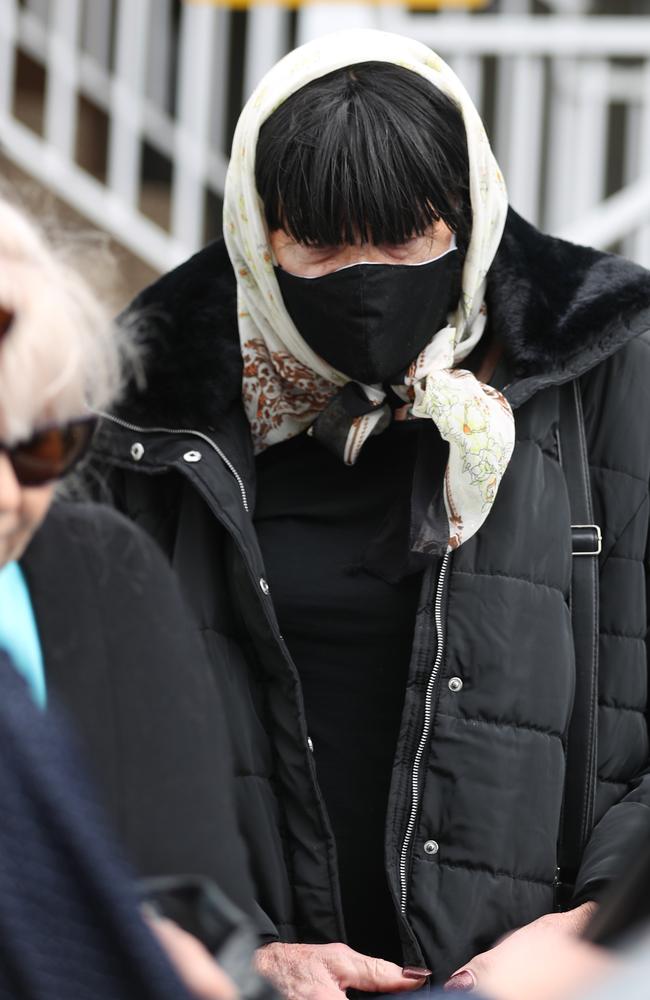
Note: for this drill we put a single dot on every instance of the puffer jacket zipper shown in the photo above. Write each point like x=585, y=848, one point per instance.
x=440, y=636
x=182, y=430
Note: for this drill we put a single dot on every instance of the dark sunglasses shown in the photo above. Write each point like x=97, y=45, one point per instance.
x=51, y=451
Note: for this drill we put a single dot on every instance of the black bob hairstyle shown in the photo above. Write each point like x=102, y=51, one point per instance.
x=372, y=150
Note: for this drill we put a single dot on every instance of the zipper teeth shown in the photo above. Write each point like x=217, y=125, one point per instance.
x=426, y=729
x=182, y=430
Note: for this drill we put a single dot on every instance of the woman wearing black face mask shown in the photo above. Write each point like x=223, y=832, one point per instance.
x=370, y=518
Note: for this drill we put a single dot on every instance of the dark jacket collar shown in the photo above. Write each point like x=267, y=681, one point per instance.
x=557, y=308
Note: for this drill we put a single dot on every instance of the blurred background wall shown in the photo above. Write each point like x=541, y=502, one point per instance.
x=123, y=110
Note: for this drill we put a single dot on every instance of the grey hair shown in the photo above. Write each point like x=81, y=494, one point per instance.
x=62, y=353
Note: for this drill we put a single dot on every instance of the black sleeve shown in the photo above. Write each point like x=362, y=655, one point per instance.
x=158, y=741
x=624, y=830
x=618, y=395
x=69, y=917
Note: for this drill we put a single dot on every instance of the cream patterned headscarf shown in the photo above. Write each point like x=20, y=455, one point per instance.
x=285, y=384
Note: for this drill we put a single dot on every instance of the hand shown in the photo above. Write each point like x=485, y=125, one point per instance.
x=544, y=960
x=193, y=963
x=325, y=971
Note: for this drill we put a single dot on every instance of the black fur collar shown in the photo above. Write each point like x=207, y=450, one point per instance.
x=557, y=308
x=187, y=325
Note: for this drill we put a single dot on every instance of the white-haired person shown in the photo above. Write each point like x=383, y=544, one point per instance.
x=89, y=611
x=384, y=422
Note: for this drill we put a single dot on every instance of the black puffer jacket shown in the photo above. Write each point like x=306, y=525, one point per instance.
x=492, y=776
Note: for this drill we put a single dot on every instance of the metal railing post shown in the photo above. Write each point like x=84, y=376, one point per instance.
x=127, y=88
x=195, y=99
x=8, y=38
x=61, y=91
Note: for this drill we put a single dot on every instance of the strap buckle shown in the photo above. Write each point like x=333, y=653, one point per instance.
x=586, y=540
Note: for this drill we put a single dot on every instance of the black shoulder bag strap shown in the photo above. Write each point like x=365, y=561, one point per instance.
x=581, y=748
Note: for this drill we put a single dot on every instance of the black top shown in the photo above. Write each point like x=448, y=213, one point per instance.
x=350, y=634
x=123, y=658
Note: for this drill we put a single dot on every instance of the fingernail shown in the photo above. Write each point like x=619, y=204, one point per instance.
x=463, y=982
x=415, y=972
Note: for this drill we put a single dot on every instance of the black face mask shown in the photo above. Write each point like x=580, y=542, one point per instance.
x=369, y=321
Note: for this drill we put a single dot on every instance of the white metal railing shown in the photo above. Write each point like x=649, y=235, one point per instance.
x=152, y=60
x=556, y=84
x=551, y=88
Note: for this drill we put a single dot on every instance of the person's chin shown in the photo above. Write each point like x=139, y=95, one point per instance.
x=12, y=547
